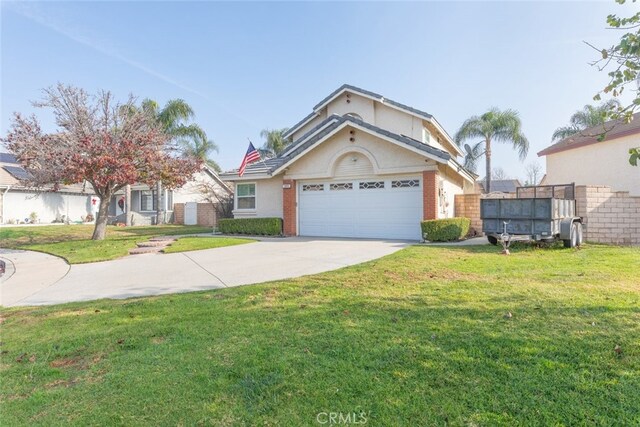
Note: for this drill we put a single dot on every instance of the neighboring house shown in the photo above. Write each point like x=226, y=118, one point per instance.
x=360, y=165
x=144, y=203
x=75, y=202
x=500, y=185
x=19, y=203
x=588, y=159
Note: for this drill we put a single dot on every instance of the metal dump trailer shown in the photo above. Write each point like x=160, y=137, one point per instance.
x=545, y=213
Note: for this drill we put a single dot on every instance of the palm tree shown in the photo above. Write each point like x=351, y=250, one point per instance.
x=173, y=118
x=275, y=143
x=586, y=118
x=493, y=126
x=201, y=148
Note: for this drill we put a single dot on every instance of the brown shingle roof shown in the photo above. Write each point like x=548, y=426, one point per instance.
x=612, y=130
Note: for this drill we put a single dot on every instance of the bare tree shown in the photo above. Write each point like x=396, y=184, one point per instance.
x=498, y=174
x=533, y=171
x=220, y=198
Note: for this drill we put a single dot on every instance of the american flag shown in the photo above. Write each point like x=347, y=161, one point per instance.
x=251, y=156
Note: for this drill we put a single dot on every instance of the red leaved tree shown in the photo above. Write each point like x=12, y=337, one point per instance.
x=98, y=141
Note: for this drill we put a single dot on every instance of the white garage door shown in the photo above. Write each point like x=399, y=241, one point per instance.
x=375, y=208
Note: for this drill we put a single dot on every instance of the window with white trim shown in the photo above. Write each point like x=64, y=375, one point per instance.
x=148, y=200
x=426, y=135
x=246, y=196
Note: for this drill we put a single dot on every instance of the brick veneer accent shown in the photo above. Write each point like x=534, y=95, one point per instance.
x=468, y=206
x=289, y=207
x=609, y=216
x=430, y=194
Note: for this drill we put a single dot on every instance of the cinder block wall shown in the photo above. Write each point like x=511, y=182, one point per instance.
x=609, y=216
x=468, y=206
x=206, y=215
x=178, y=213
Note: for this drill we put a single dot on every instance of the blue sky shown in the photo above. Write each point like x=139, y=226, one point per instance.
x=248, y=66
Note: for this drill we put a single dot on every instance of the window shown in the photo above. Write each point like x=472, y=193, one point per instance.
x=169, y=200
x=313, y=187
x=405, y=183
x=148, y=200
x=371, y=185
x=246, y=196
x=342, y=186
x=426, y=135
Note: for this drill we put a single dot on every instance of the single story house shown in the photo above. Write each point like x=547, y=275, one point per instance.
x=588, y=159
x=360, y=165
x=499, y=185
x=144, y=201
x=19, y=204
x=75, y=202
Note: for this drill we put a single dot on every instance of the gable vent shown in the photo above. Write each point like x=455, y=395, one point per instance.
x=353, y=164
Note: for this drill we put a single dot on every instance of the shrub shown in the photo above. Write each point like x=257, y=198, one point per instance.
x=445, y=230
x=253, y=226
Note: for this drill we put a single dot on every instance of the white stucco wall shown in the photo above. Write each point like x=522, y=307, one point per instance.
x=191, y=191
x=268, y=200
x=452, y=184
x=603, y=163
x=19, y=205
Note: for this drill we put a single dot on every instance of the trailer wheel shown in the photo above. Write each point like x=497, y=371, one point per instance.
x=493, y=240
x=572, y=242
x=578, y=233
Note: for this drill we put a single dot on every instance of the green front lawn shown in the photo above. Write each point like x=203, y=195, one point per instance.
x=185, y=244
x=73, y=242
x=421, y=337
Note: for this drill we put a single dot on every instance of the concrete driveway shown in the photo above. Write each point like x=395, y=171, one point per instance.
x=41, y=279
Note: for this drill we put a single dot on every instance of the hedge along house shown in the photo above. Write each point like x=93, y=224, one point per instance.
x=360, y=165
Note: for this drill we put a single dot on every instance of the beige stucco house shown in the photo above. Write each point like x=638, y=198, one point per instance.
x=588, y=159
x=360, y=165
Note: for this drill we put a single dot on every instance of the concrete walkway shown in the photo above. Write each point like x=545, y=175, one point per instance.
x=155, y=274
x=28, y=273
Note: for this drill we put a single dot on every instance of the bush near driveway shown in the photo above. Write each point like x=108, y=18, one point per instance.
x=445, y=230
x=251, y=226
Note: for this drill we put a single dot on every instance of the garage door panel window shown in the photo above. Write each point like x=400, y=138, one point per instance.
x=371, y=185
x=341, y=186
x=405, y=183
x=246, y=196
x=313, y=187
